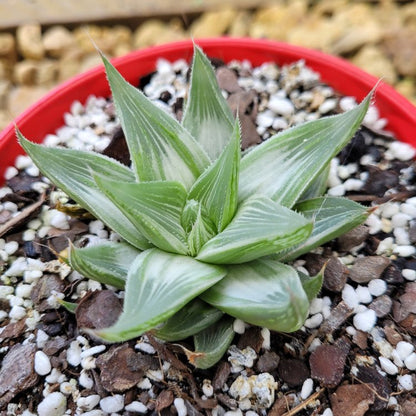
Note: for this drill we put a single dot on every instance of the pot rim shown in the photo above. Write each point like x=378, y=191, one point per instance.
x=46, y=115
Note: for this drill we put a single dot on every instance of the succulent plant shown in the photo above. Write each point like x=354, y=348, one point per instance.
x=205, y=229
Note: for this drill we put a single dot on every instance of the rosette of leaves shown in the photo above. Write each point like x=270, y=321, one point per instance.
x=206, y=229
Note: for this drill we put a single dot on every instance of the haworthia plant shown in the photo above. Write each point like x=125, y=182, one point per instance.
x=206, y=229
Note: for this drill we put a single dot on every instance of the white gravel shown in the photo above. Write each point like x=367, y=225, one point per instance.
x=54, y=404
x=42, y=363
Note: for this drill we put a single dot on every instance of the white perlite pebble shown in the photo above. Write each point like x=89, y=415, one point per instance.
x=374, y=223
x=85, y=380
x=180, y=406
x=88, y=402
x=42, y=363
x=388, y=366
x=405, y=251
x=307, y=388
x=93, y=350
x=406, y=382
x=401, y=151
x=350, y=297
x=54, y=404
x=400, y=220
x=58, y=219
x=409, y=274
x=137, y=407
x=404, y=349
x=314, y=321
x=377, y=287
x=364, y=295
x=365, y=321
x=112, y=404
x=327, y=412
x=282, y=106
x=10, y=173
x=11, y=247
x=239, y=326
x=315, y=306
x=73, y=354
x=17, y=312
x=410, y=362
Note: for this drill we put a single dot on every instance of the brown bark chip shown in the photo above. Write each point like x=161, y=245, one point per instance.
x=251, y=338
x=381, y=305
x=221, y=375
x=327, y=364
x=164, y=400
x=368, y=268
x=121, y=368
x=17, y=372
x=98, y=309
x=267, y=362
x=353, y=238
x=338, y=316
x=293, y=372
x=281, y=406
x=352, y=399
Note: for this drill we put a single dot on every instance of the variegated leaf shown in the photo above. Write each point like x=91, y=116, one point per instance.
x=207, y=115
x=260, y=227
x=211, y=343
x=73, y=170
x=331, y=217
x=158, y=285
x=160, y=148
x=216, y=189
x=154, y=208
x=284, y=166
x=191, y=319
x=106, y=263
x=262, y=292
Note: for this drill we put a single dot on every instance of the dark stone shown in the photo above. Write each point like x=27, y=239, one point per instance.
x=293, y=371
x=267, y=362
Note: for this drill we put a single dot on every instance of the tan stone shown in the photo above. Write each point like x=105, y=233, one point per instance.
x=29, y=41
x=7, y=47
x=25, y=72
x=6, y=69
x=241, y=24
x=5, y=87
x=57, y=40
x=276, y=22
x=357, y=27
x=23, y=96
x=401, y=47
x=407, y=88
x=353, y=38
x=5, y=119
x=373, y=60
x=85, y=37
x=69, y=65
x=155, y=32
x=90, y=61
x=212, y=24
x=47, y=73
x=309, y=34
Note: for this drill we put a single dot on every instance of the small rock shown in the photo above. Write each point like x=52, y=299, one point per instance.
x=17, y=372
x=112, y=404
x=29, y=41
x=381, y=386
x=381, y=305
x=352, y=399
x=121, y=368
x=227, y=79
x=57, y=40
x=99, y=309
x=267, y=362
x=164, y=400
x=54, y=404
x=25, y=72
x=221, y=375
x=293, y=371
x=353, y=238
x=327, y=364
x=212, y=23
x=368, y=268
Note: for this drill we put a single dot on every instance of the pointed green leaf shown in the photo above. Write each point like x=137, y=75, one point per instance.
x=284, y=166
x=262, y=292
x=212, y=343
x=318, y=186
x=202, y=231
x=312, y=285
x=154, y=208
x=191, y=319
x=160, y=148
x=260, y=227
x=207, y=115
x=158, y=285
x=72, y=170
x=69, y=306
x=106, y=263
x=331, y=216
x=217, y=187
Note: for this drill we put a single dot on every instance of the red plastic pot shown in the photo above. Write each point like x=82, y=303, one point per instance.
x=46, y=115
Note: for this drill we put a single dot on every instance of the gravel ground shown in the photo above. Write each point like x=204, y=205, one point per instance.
x=355, y=354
